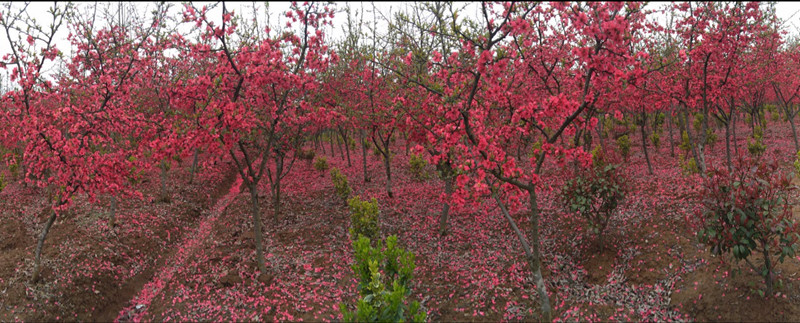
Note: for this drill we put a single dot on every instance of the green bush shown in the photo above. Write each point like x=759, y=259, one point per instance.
x=797, y=164
x=340, y=184
x=624, y=145
x=384, y=276
x=747, y=210
x=595, y=194
x=321, y=163
x=690, y=166
x=756, y=147
x=2, y=182
x=655, y=139
x=363, y=218
x=685, y=145
x=416, y=165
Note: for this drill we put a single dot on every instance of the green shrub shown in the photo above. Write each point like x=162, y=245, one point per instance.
x=797, y=164
x=416, y=165
x=655, y=139
x=321, y=163
x=384, y=276
x=624, y=145
x=685, y=145
x=363, y=218
x=340, y=184
x=690, y=166
x=595, y=194
x=756, y=147
x=2, y=182
x=598, y=156
x=747, y=210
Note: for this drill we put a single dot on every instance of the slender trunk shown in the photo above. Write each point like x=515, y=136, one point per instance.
x=339, y=144
x=388, y=165
x=448, y=190
x=333, y=152
x=364, y=155
x=728, y=144
x=321, y=144
x=644, y=144
x=346, y=148
x=794, y=134
x=692, y=143
x=768, y=267
x=733, y=125
x=262, y=267
x=276, y=186
x=194, y=165
x=112, y=214
x=535, y=261
x=671, y=143
x=37, y=265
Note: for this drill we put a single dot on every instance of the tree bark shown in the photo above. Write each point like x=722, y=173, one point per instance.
x=671, y=143
x=644, y=144
x=535, y=262
x=364, y=155
x=262, y=267
x=794, y=134
x=387, y=164
x=448, y=190
x=194, y=165
x=276, y=186
x=37, y=265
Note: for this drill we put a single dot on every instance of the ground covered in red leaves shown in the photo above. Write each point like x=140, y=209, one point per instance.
x=193, y=258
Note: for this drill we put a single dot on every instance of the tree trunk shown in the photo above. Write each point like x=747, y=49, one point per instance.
x=194, y=165
x=448, y=190
x=644, y=144
x=733, y=125
x=276, y=186
x=364, y=155
x=346, y=147
x=37, y=265
x=671, y=143
x=388, y=165
x=794, y=134
x=333, y=152
x=728, y=144
x=262, y=267
x=535, y=262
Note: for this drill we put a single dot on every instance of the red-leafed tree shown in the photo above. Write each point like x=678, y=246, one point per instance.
x=77, y=128
x=255, y=96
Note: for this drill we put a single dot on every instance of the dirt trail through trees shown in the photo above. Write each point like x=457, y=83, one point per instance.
x=132, y=304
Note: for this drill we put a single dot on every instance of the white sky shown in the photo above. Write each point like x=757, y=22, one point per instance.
x=788, y=11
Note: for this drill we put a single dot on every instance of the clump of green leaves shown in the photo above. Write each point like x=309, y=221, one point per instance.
x=624, y=145
x=797, y=164
x=595, y=194
x=384, y=277
x=746, y=211
x=416, y=164
x=655, y=139
x=756, y=147
x=363, y=218
x=340, y=184
x=321, y=164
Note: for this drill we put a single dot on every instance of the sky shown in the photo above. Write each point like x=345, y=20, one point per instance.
x=787, y=11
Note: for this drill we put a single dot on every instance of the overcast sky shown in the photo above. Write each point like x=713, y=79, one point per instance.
x=787, y=11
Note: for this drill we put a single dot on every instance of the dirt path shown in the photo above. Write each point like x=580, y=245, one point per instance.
x=136, y=295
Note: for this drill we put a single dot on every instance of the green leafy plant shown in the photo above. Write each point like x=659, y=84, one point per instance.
x=384, y=275
x=363, y=218
x=624, y=145
x=595, y=194
x=746, y=211
x=756, y=147
x=321, y=164
x=416, y=165
x=797, y=164
x=340, y=184
x=655, y=139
